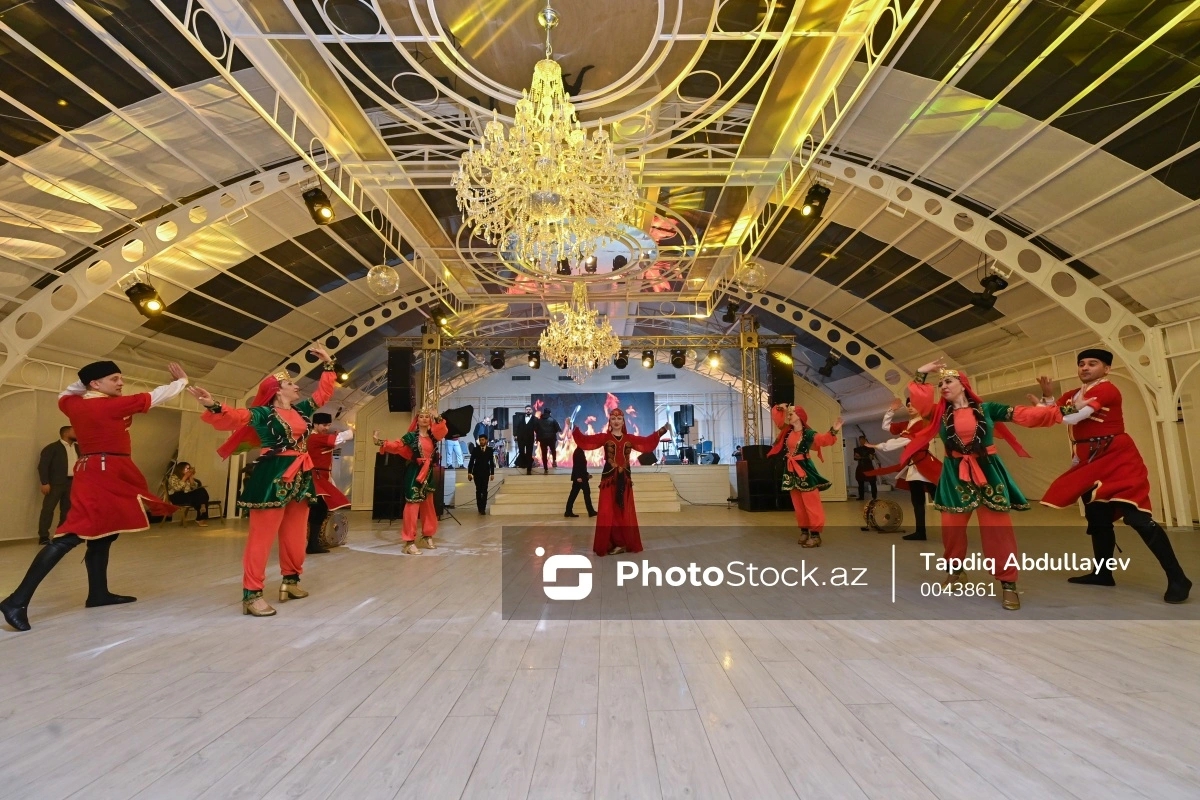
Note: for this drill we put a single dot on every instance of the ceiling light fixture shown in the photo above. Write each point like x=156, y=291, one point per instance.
x=986, y=300
x=814, y=201
x=622, y=359
x=714, y=358
x=535, y=359
x=319, y=207
x=730, y=315
x=831, y=361
x=647, y=358
x=542, y=189
x=678, y=358
x=580, y=339
x=497, y=359
x=461, y=359
x=145, y=299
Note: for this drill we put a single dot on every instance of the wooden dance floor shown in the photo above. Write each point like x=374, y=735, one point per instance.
x=399, y=677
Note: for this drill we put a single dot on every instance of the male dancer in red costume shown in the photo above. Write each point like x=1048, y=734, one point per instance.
x=617, y=525
x=920, y=473
x=109, y=495
x=321, y=444
x=1108, y=474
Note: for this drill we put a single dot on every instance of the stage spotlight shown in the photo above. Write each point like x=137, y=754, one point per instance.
x=678, y=358
x=831, y=361
x=461, y=359
x=986, y=300
x=497, y=361
x=730, y=315
x=319, y=206
x=619, y=262
x=589, y=265
x=647, y=358
x=814, y=201
x=564, y=268
x=714, y=358
x=145, y=299
x=343, y=374
x=622, y=359
x=535, y=359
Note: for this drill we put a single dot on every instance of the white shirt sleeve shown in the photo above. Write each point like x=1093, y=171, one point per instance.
x=1079, y=416
x=75, y=388
x=887, y=420
x=162, y=394
x=342, y=437
x=899, y=443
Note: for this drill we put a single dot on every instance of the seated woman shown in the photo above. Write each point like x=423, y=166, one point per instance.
x=184, y=489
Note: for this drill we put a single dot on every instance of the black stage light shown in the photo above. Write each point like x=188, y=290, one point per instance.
x=622, y=359
x=730, y=315
x=831, y=361
x=145, y=299
x=564, y=268
x=535, y=359
x=461, y=359
x=497, y=359
x=589, y=265
x=814, y=201
x=678, y=358
x=986, y=300
x=619, y=262
x=714, y=358
x=319, y=206
x=647, y=358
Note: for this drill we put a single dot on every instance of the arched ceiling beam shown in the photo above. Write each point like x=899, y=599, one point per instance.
x=45, y=312
x=1121, y=331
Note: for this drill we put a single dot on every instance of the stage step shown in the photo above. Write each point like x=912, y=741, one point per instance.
x=547, y=494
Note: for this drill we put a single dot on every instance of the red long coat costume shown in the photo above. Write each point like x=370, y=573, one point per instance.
x=109, y=494
x=320, y=450
x=925, y=462
x=616, y=520
x=1109, y=464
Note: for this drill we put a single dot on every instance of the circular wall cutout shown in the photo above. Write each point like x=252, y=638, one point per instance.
x=293, y=368
x=780, y=308
x=166, y=231
x=1098, y=310
x=892, y=377
x=872, y=361
x=28, y=325
x=256, y=187
x=1131, y=338
x=310, y=358
x=283, y=177
x=797, y=315
x=99, y=272
x=332, y=341
x=814, y=324
x=1029, y=260
x=876, y=182
x=933, y=207
x=368, y=321
x=995, y=239
x=849, y=172
x=227, y=200
x=1144, y=360
x=63, y=297
x=351, y=330
x=36, y=374
x=1063, y=283
x=764, y=301
x=387, y=312
x=963, y=221
x=904, y=193
x=853, y=348
x=133, y=250
x=833, y=335
x=197, y=214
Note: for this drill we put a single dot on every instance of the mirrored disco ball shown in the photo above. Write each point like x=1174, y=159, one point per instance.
x=383, y=280
x=751, y=277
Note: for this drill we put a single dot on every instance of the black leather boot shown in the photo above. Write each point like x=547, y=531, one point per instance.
x=96, y=561
x=1178, y=585
x=15, y=607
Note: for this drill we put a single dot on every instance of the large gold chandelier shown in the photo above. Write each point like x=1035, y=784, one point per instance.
x=545, y=192
x=581, y=340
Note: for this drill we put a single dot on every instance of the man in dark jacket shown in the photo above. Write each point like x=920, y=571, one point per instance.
x=524, y=428
x=481, y=469
x=56, y=468
x=580, y=480
x=548, y=430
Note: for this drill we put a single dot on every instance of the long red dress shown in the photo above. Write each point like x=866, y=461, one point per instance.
x=616, y=520
x=320, y=450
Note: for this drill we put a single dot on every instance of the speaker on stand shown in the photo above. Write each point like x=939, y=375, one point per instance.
x=783, y=379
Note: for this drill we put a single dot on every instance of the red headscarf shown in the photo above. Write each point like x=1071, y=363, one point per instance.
x=779, y=416
x=923, y=437
x=245, y=437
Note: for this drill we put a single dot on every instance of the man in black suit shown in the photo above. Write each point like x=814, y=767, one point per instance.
x=481, y=469
x=56, y=467
x=580, y=482
x=548, y=430
x=524, y=430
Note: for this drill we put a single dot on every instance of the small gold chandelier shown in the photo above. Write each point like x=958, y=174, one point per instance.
x=581, y=340
x=545, y=192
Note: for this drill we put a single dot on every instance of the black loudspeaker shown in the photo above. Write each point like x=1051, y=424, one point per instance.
x=388, y=502
x=458, y=421
x=500, y=415
x=783, y=380
x=758, y=482
x=687, y=415
x=689, y=453
x=677, y=421
x=401, y=391
x=716, y=458
x=646, y=459
x=439, y=491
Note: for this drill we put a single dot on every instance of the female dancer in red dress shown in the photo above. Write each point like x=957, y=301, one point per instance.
x=617, y=525
x=418, y=446
x=800, y=478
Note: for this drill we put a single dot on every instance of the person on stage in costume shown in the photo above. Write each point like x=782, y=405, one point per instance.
x=974, y=479
x=920, y=474
x=280, y=489
x=801, y=478
x=321, y=444
x=109, y=495
x=481, y=470
x=418, y=446
x=1108, y=474
x=616, y=525
x=580, y=482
